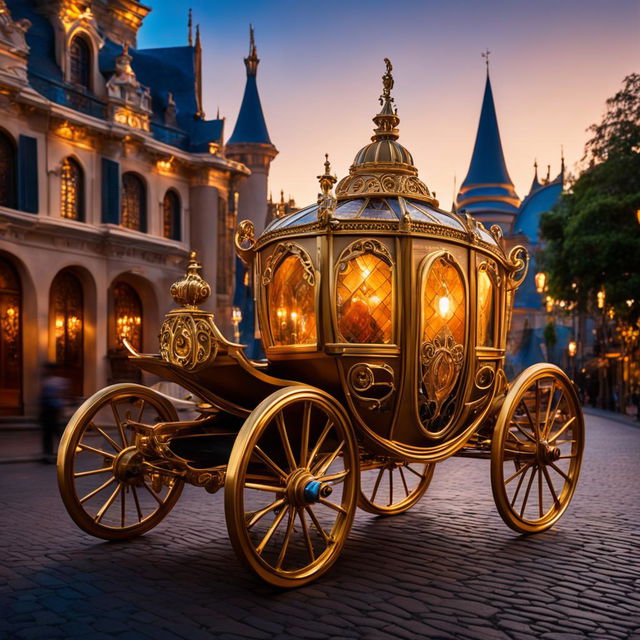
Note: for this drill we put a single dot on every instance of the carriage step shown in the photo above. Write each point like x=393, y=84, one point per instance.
x=203, y=451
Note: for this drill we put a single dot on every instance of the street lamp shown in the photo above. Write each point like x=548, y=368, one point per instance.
x=236, y=319
x=541, y=281
x=572, y=348
x=601, y=298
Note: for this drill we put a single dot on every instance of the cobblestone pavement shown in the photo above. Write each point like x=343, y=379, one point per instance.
x=447, y=569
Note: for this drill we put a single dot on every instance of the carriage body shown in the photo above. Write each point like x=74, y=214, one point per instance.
x=384, y=321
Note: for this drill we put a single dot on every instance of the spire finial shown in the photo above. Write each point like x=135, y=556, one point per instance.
x=387, y=83
x=326, y=200
x=197, y=36
x=562, y=160
x=535, y=167
x=190, y=26
x=387, y=120
x=251, y=62
x=218, y=113
x=485, y=54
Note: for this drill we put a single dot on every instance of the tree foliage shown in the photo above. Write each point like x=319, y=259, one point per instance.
x=592, y=237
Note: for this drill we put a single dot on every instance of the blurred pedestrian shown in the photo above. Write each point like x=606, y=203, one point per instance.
x=53, y=399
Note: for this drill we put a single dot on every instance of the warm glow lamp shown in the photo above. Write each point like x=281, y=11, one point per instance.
x=572, y=348
x=541, y=281
x=601, y=298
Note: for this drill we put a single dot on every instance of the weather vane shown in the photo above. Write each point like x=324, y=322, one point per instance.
x=485, y=54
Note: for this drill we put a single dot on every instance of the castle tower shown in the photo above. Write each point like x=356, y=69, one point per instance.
x=250, y=144
x=487, y=192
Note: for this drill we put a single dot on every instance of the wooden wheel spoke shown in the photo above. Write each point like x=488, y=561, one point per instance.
x=546, y=417
x=417, y=473
x=317, y=525
x=538, y=408
x=533, y=426
x=284, y=437
x=561, y=472
x=390, y=487
x=97, y=490
x=518, y=486
x=306, y=426
x=526, y=494
x=334, y=477
x=377, y=484
x=307, y=537
x=142, y=405
x=540, y=505
x=105, y=507
x=106, y=436
x=324, y=465
x=564, y=427
x=524, y=467
x=522, y=431
x=320, y=441
x=551, y=487
x=404, y=481
x=123, y=507
x=263, y=487
x=332, y=505
x=274, y=525
x=269, y=462
x=92, y=472
x=137, y=503
x=554, y=414
x=287, y=538
x=157, y=498
x=256, y=516
x=119, y=424
x=100, y=452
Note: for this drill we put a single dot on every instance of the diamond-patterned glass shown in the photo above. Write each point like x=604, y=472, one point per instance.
x=486, y=313
x=365, y=300
x=443, y=302
x=292, y=313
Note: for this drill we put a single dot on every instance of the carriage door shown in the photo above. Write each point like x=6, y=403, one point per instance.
x=66, y=310
x=442, y=344
x=10, y=340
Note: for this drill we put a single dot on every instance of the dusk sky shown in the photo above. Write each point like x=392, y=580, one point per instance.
x=553, y=65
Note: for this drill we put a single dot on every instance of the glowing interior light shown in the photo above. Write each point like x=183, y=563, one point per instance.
x=444, y=304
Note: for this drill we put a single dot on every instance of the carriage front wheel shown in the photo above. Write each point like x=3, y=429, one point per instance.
x=108, y=489
x=537, y=448
x=291, y=486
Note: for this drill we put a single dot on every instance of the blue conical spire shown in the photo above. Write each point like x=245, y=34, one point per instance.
x=250, y=125
x=487, y=192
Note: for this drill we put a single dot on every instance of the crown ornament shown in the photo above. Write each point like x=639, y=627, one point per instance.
x=191, y=290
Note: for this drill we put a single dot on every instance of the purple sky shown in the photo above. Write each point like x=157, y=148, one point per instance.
x=553, y=65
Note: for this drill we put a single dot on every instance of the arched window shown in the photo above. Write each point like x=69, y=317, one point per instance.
x=127, y=310
x=10, y=340
x=365, y=294
x=80, y=62
x=7, y=171
x=290, y=280
x=71, y=190
x=486, y=307
x=171, y=215
x=66, y=308
x=133, y=205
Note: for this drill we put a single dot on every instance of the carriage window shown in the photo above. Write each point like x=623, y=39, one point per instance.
x=292, y=315
x=365, y=300
x=443, y=302
x=486, y=313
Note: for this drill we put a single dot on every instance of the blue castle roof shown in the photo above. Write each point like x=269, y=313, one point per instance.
x=487, y=187
x=250, y=125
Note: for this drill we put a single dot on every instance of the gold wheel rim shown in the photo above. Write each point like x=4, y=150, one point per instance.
x=294, y=437
x=537, y=449
x=118, y=496
x=394, y=487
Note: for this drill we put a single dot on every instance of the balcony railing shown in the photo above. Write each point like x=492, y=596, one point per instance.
x=78, y=99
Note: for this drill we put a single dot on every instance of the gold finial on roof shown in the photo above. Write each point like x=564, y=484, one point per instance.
x=326, y=200
x=485, y=54
x=192, y=290
x=327, y=180
x=387, y=83
x=252, y=60
x=387, y=120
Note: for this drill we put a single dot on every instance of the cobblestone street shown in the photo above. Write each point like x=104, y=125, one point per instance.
x=449, y=568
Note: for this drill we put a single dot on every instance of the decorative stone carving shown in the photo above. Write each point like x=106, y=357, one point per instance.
x=13, y=46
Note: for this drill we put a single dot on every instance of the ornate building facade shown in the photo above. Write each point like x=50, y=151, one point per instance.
x=110, y=173
x=488, y=194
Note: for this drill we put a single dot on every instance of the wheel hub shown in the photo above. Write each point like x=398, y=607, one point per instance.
x=128, y=467
x=303, y=488
x=548, y=453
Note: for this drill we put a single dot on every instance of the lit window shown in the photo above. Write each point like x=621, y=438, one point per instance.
x=71, y=190
x=365, y=300
x=127, y=310
x=80, y=62
x=292, y=315
x=66, y=307
x=133, y=205
x=171, y=216
x=443, y=304
x=7, y=171
x=486, y=314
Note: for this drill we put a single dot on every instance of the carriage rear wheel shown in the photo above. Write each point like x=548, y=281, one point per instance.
x=292, y=486
x=389, y=487
x=537, y=449
x=106, y=486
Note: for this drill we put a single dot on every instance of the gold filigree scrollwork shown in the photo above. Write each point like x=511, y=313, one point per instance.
x=441, y=361
x=188, y=340
x=360, y=247
x=384, y=184
x=485, y=377
x=280, y=252
x=376, y=381
x=244, y=241
x=517, y=267
x=192, y=290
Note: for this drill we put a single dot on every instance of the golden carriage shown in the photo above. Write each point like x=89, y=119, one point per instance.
x=384, y=321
